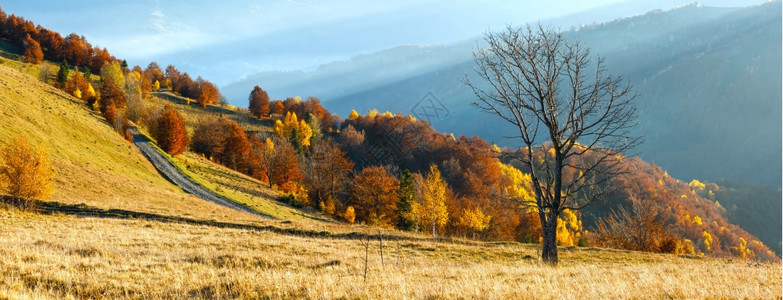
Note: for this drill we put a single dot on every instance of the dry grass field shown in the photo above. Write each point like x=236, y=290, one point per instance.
x=61, y=256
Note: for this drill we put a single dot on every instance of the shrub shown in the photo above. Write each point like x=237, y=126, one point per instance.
x=25, y=172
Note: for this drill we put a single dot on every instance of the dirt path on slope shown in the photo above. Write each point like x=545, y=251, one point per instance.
x=174, y=175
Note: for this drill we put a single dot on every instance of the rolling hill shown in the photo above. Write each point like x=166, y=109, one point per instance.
x=94, y=166
x=708, y=79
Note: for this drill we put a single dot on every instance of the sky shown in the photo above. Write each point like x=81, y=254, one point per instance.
x=227, y=40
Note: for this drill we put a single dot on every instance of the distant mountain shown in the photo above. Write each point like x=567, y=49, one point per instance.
x=708, y=79
x=359, y=74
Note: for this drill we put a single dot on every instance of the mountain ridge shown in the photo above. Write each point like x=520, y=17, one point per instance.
x=718, y=89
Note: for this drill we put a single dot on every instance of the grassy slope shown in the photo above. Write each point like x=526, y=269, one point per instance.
x=93, y=164
x=224, y=181
x=52, y=257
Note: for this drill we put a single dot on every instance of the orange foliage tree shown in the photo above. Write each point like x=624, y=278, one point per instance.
x=374, y=195
x=208, y=94
x=78, y=86
x=172, y=135
x=326, y=174
x=277, y=107
x=236, y=148
x=279, y=164
x=259, y=102
x=32, y=53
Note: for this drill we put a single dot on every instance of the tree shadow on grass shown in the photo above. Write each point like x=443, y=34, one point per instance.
x=85, y=211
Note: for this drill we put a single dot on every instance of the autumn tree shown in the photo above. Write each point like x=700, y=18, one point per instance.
x=297, y=131
x=208, y=92
x=78, y=86
x=259, y=102
x=280, y=164
x=172, y=135
x=75, y=49
x=551, y=91
x=154, y=74
x=374, y=195
x=326, y=174
x=25, y=171
x=32, y=54
x=431, y=193
x=209, y=135
x=113, y=72
x=406, y=198
x=277, y=107
x=474, y=220
x=236, y=148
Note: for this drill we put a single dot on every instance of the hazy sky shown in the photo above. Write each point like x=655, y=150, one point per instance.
x=225, y=41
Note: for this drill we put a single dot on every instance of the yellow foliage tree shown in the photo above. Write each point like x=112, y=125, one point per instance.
x=431, y=207
x=697, y=221
x=304, y=133
x=156, y=86
x=474, y=219
x=696, y=185
x=25, y=171
x=707, y=240
x=285, y=128
x=372, y=113
x=90, y=90
x=569, y=229
x=353, y=115
x=279, y=128
x=113, y=70
x=77, y=93
x=517, y=185
x=350, y=215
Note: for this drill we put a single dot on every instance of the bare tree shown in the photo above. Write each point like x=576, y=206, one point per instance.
x=573, y=117
x=640, y=229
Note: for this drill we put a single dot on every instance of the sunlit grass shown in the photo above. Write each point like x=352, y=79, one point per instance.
x=61, y=256
x=93, y=164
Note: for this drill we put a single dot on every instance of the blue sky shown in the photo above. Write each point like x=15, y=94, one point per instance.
x=226, y=41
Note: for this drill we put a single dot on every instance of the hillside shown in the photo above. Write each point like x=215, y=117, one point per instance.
x=94, y=166
x=709, y=88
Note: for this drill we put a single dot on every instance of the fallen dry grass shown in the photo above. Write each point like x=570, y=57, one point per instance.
x=68, y=257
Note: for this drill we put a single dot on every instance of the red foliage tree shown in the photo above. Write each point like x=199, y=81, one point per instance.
x=279, y=163
x=236, y=148
x=278, y=107
x=208, y=92
x=33, y=53
x=326, y=174
x=374, y=196
x=258, y=102
x=110, y=92
x=172, y=135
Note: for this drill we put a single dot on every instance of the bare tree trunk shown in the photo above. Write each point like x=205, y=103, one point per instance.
x=549, y=243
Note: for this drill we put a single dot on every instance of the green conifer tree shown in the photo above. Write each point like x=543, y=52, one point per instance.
x=406, y=220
